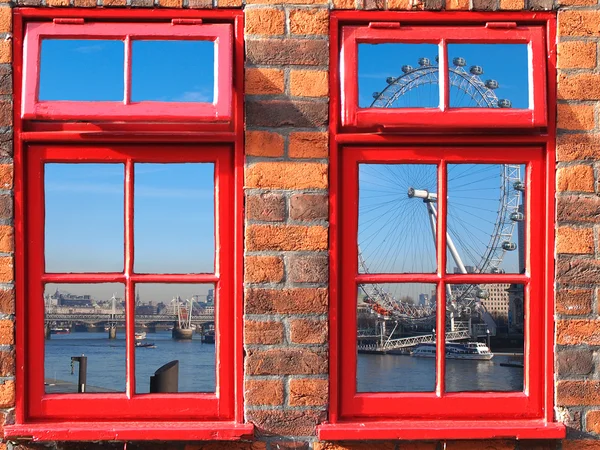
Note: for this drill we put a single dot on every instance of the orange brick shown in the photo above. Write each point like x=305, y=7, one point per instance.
x=344, y=4
x=229, y=3
x=578, y=178
x=308, y=392
x=6, y=176
x=287, y=2
x=576, y=117
x=573, y=393
x=5, y=19
x=580, y=445
x=263, y=269
x=85, y=3
x=287, y=175
x=309, y=83
x=59, y=3
x=592, y=421
x=286, y=238
x=6, y=269
x=5, y=52
x=265, y=21
x=259, y=332
x=112, y=2
x=578, y=23
x=381, y=445
x=399, y=4
x=263, y=143
x=263, y=392
x=572, y=147
x=6, y=239
x=574, y=301
x=480, y=445
x=7, y=394
x=512, y=4
x=576, y=55
x=224, y=445
x=309, y=21
x=309, y=145
x=574, y=240
x=584, y=86
x=170, y=3
x=576, y=2
x=304, y=331
x=264, y=81
x=7, y=332
x=578, y=331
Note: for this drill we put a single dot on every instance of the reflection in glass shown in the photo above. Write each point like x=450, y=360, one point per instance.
x=84, y=217
x=190, y=63
x=175, y=322
x=488, y=75
x=81, y=70
x=398, y=76
x=397, y=207
x=486, y=218
x=174, y=218
x=491, y=357
x=73, y=339
x=387, y=339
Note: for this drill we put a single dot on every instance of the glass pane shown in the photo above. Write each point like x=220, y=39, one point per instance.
x=175, y=322
x=85, y=331
x=486, y=218
x=84, y=217
x=387, y=341
x=398, y=76
x=488, y=75
x=174, y=218
x=397, y=207
x=484, y=340
x=173, y=71
x=81, y=70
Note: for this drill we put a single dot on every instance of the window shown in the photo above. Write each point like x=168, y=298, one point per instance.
x=440, y=284
x=129, y=241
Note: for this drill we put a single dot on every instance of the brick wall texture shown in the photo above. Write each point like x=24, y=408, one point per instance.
x=286, y=219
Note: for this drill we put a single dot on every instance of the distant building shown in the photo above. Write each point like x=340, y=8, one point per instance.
x=66, y=299
x=423, y=300
x=497, y=303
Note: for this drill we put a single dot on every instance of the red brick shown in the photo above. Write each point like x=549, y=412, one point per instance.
x=221, y=445
x=5, y=106
x=577, y=271
x=265, y=207
x=265, y=21
x=572, y=208
x=170, y=3
x=5, y=80
x=526, y=444
x=592, y=421
x=401, y=4
x=582, y=86
x=7, y=332
x=576, y=55
x=7, y=363
x=308, y=268
x=290, y=445
x=570, y=361
x=573, y=332
x=578, y=23
x=259, y=332
x=571, y=147
x=574, y=240
x=290, y=361
x=85, y=3
x=304, y=331
x=480, y=445
x=263, y=269
x=574, y=301
x=199, y=4
x=581, y=445
x=7, y=301
x=275, y=52
x=287, y=113
x=579, y=178
x=286, y=301
x=286, y=423
x=114, y=2
x=264, y=82
x=285, y=238
x=378, y=445
x=484, y=5
x=308, y=392
x=308, y=145
x=309, y=21
x=573, y=393
x=309, y=83
x=309, y=207
x=263, y=392
x=576, y=117
x=6, y=239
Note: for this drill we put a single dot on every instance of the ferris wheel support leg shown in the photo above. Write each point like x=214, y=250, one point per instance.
x=449, y=242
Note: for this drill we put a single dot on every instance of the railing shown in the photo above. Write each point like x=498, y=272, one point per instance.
x=147, y=318
x=393, y=344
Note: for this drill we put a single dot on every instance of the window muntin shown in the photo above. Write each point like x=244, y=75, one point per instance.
x=525, y=402
x=442, y=110
x=194, y=98
x=129, y=405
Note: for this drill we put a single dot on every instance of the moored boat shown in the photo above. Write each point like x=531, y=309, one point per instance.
x=140, y=336
x=468, y=350
x=60, y=330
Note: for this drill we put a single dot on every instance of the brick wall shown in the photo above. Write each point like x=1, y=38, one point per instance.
x=286, y=227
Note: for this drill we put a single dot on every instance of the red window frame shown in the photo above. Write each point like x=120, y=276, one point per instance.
x=444, y=116
x=438, y=415
x=127, y=416
x=219, y=110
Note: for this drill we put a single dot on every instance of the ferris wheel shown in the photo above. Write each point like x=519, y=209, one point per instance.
x=398, y=203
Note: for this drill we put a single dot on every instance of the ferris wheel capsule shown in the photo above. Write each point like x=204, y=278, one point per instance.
x=476, y=70
x=496, y=270
x=459, y=62
x=491, y=84
x=390, y=80
x=519, y=186
x=375, y=94
x=406, y=68
x=504, y=103
x=517, y=216
x=509, y=246
x=424, y=62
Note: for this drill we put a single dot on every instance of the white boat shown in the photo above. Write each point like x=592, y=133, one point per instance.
x=468, y=350
x=140, y=336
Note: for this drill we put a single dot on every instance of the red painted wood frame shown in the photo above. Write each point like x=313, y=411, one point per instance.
x=444, y=116
x=131, y=134
x=219, y=110
x=355, y=416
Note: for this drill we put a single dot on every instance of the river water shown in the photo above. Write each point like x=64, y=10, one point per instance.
x=376, y=373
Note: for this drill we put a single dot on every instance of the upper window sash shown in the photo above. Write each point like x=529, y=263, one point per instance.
x=220, y=110
x=444, y=116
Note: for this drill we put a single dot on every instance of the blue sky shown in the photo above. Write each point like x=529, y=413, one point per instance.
x=505, y=63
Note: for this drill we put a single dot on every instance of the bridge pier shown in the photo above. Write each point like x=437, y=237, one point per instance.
x=151, y=328
x=112, y=332
x=47, y=332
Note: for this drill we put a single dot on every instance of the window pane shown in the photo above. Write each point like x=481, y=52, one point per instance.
x=486, y=218
x=491, y=358
x=173, y=71
x=84, y=321
x=81, y=70
x=174, y=218
x=397, y=207
x=175, y=322
x=84, y=217
x=488, y=75
x=398, y=76
x=386, y=338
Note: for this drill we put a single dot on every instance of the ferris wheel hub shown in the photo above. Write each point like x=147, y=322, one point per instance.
x=421, y=193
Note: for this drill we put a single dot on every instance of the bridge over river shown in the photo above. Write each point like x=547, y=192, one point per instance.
x=119, y=318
